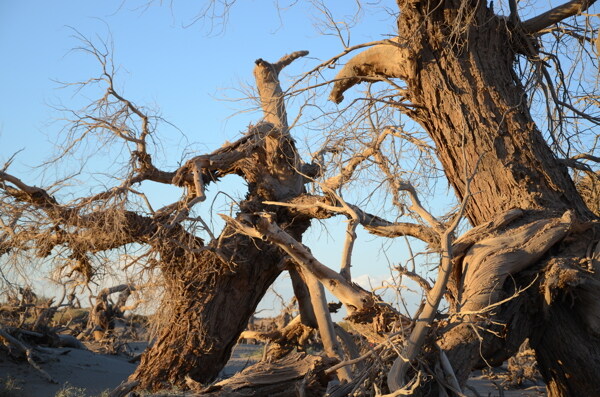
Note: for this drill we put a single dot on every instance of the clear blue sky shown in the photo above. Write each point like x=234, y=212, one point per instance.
x=182, y=71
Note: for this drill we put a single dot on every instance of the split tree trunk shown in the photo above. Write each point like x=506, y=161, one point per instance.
x=208, y=303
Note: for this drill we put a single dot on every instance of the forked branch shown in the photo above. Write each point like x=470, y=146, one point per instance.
x=352, y=296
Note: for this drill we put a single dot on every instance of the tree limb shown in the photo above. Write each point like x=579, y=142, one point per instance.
x=434, y=296
x=389, y=60
x=354, y=297
x=555, y=15
x=319, y=207
x=326, y=329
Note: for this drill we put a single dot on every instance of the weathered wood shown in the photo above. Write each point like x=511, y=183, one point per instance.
x=390, y=60
x=123, y=389
x=285, y=377
x=215, y=290
x=414, y=343
x=326, y=328
x=490, y=261
x=27, y=352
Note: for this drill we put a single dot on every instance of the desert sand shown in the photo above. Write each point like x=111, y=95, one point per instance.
x=90, y=374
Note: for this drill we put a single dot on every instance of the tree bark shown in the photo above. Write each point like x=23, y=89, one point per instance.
x=462, y=89
x=209, y=303
x=472, y=105
x=213, y=291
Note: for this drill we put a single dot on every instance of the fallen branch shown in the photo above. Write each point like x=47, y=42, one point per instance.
x=285, y=375
x=28, y=354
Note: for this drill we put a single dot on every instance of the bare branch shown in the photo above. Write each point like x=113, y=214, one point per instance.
x=326, y=329
x=556, y=15
x=269, y=89
x=354, y=297
x=288, y=59
x=319, y=208
x=347, y=250
x=418, y=208
x=513, y=16
x=413, y=345
x=335, y=182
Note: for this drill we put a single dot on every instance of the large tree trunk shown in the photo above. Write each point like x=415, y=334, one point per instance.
x=207, y=306
x=456, y=58
x=474, y=108
x=472, y=105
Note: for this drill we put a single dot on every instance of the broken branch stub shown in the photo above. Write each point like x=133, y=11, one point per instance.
x=390, y=60
x=271, y=95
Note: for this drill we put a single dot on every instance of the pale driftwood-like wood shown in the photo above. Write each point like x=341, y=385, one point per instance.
x=266, y=76
x=390, y=60
x=198, y=182
x=283, y=341
x=489, y=262
x=370, y=317
x=326, y=328
x=321, y=207
x=305, y=309
x=414, y=343
x=354, y=297
x=123, y=389
x=347, y=250
x=279, y=378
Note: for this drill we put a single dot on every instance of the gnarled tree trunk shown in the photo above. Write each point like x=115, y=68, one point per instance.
x=457, y=62
x=212, y=294
x=208, y=304
x=474, y=108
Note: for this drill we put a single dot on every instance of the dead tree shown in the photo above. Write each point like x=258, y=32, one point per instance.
x=103, y=314
x=456, y=59
x=527, y=269
x=212, y=288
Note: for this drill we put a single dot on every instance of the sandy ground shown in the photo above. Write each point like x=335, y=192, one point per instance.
x=78, y=368
x=97, y=373
x=493, y=388
x=93, y=372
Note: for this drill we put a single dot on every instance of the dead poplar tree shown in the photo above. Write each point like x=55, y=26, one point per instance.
x=527, y=268
x=456, y=61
